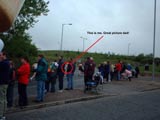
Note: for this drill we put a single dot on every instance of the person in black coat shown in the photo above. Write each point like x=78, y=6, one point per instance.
x=137, y=71
x=60, y=73
x=10, y=89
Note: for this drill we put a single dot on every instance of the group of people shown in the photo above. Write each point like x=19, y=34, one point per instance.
x=7, y=79
x=120, y=70
x=47, y=74
x=108, y=71
x=58, y=69
x=43, y=73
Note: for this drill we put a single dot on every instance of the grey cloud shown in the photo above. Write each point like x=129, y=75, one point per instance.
x=135, y=16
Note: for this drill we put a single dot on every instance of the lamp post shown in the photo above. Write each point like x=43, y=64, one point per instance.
x=62, y=35
x=83, y=42
x=154, y=40
x=128, y=47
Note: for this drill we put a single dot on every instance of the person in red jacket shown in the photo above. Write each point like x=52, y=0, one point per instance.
x=23, y=80
x=118, y=70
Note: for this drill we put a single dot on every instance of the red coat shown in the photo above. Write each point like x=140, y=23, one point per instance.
x=24, y=73
x=118, y=67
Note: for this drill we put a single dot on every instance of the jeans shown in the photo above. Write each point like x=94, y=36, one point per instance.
x=22, y=90
x=40, y=90
x=3, y=90
x=10, y=94
x=70, y=81
x=60, y=78
x=118, y=75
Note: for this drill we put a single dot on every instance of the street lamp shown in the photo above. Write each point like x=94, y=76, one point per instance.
x=128, y=47
x=154, y=40
x=83, y=41
x=62, y=35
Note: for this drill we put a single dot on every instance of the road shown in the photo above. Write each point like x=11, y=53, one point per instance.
x=140, y=106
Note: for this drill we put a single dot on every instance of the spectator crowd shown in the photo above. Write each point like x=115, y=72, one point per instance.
x=48, y=73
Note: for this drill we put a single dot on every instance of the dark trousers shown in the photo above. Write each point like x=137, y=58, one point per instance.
x=47, y=85
x=87, y=78
x=60, y=78
x=10, y=94
x=107, y=76
x=136, y=75
x=22, y=90
x=112, y=75
x=52, y=83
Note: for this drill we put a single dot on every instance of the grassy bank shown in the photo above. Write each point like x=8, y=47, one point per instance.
x=52, y=55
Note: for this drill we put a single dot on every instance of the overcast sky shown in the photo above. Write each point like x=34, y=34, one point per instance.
x=133, y=16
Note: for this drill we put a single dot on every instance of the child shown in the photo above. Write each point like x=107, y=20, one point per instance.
x=127, y=74
x=34, y=67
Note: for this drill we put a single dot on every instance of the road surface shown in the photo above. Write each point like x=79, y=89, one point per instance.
x=139, y=106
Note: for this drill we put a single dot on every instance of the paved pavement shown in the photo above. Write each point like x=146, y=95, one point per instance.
x=78, y=83
x=137, y=106
x=113, y=88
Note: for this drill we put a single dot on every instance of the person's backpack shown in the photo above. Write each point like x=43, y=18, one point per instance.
x=53, y=70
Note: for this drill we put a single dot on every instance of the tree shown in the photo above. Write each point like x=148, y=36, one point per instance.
x=17, y=41
x=28, y=14
x=140, y=58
